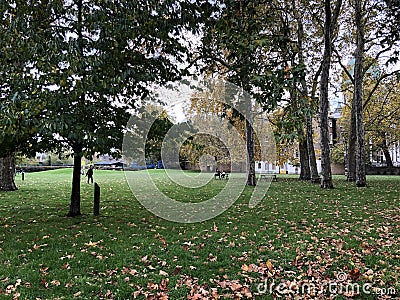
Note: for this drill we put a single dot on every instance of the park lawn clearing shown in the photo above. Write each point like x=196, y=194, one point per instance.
x=300, y=242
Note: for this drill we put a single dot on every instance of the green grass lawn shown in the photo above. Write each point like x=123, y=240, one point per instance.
x=298, y=242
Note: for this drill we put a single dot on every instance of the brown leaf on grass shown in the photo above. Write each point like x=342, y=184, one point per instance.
x=44, y=283
x=69, y=284
x=37, y=247
x=177, y=270
x=195, y=297
x=152, y=286
x=355, y=274
x=214, y=293
x=211, y=257
x=246, y=292
x=109, y=295
x=224, y=284
x=235, y=286
x=77, y=294
x=136, y=294
x=215, y=227
x=55, y=282
x=93, y=244
x=43, y=270
x=163, y=284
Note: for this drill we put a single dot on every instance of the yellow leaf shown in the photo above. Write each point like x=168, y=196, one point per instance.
x=245, y=268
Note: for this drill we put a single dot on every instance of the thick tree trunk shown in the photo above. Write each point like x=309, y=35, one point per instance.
x=326, y=180
x=304, y=160
x=351, y=154
x=75, y=206
x=311, y=152
x=361, y=179
x=7, y=173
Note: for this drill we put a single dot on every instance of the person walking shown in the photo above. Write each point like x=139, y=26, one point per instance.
x=89, y=174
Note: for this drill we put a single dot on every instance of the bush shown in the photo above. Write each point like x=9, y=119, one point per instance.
x=337, y=153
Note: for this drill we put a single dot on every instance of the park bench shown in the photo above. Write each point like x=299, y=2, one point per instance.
x=268, y=174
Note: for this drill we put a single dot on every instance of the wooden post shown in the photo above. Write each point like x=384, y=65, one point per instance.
x=96, y=204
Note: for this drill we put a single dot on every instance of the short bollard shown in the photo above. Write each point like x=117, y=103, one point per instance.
x=23, y=175
x=96, y=204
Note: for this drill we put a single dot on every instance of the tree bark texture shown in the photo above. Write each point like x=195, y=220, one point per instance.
x=311, y=151
x=326, y=180
x=304, y=92
x=75, y=205
x=7, y=173
x=251, y=171
x=304, y=159
x=361, y=179
x=385, y=150
x=351, y=154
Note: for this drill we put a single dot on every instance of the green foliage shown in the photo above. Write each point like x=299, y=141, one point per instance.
x=337, y=153
x=21, y=107
x=242, y=43
x=156, y=135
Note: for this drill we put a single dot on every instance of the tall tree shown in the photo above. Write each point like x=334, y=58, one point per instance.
x=22, y=109
x=361, y=179
x=377, y=22
x=380, y=108
x=99, y=60
x=309, y=99
x=329, y=27
x=240, y=43
x=300, y=29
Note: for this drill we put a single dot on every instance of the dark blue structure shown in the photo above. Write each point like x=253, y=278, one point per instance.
x=160, y=164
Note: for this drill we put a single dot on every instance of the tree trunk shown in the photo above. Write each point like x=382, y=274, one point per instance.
x=311, y=152
x=326, y=181
x=304, y=92
x=388, y=158
x=304, y=160
x=75, y=206
x=7, y=173
x=251, y=171
x=351, y=154
x=361, y=179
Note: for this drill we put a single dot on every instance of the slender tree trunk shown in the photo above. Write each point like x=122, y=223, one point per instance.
x=7, y=173
x=251, y=171
x=311, y=152
x=326, y=181
x=388, y=158
x=351, y=154
x=75, y=206
x=361, y=179
x=304, y=160
x=304, y=92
